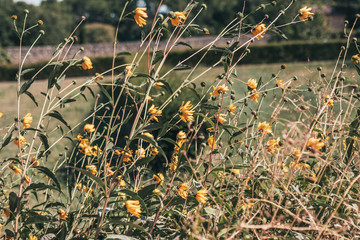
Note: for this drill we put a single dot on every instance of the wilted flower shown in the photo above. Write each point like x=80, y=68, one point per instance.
x=20, y=141
x=219, y=90
x=127, y=155
x=27, y=180
x=27, y=120
x=174, y=163
x=133, y=207
x=89, y=128
x=154, y=112
x=232, y=108
x=92, y=169
x=252, y=83
x=305, y=13
x=7, y=212
x=247, y=203
x=177, y=18
x=312, y=177
x=159, y=178
x=121, y=182
x=254, y=95
x=183, y=190
x=211, y=142
x=186, y=114
x=259, y=31
x=62, y=214
x=314, y=145
x=201, y=195
x=329, y=101
x=264, y=127
x=139, y=16
x=86, y=63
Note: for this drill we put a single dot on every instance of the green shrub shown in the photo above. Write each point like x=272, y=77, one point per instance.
x=97, y=33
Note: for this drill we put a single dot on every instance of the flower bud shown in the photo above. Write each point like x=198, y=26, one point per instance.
x=319, y=68
x=283, y=66
x=203, y=6
x=26, y=11
x=273, y=3
x=42, y=32
x=14, y=17
x=40, y=22
x=239, y=15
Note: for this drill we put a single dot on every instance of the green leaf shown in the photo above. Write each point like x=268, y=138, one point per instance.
x=104, y=91
x=52, y=77
x=44, y=140
x=117, y=221
x=206, y=118
x=39, y=219
x=26, y=85
x=158, y=56
x=29, y=94
x=122, y=53
x=163, y=130
x=184, y=44
x=50, y=174
x=58, y=116
x=357, y=69
x=90, y=175
x=13, y=201
x=40, y=187
x=182, y=67
x=7, y=141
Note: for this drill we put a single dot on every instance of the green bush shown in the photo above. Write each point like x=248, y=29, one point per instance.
x=97, y=33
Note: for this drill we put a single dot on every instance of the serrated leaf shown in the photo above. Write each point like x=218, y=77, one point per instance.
x=50, y=174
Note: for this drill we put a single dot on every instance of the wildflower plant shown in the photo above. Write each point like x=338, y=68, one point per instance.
x=231, y=161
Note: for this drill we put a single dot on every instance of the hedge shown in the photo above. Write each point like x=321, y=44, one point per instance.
x=283, y=52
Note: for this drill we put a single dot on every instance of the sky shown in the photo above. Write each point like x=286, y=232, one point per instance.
x=35, y=2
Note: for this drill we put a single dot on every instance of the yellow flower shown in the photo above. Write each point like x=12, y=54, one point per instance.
x=89, y=128
x=139, y=16
x=181, y=135
x=305, y=13
x=15, y=169
x=247, y=203
x=92, y=169
x=272, y=145
x=159, y=85
x=149, y=135
x=127, y=155
x=129, y=73
x=355, y=58
x=33, y=238
x=232, y=108
x=219, y=90
x=133, y=207
x=140, y=153
x=34, y=163
x=121, y=182
x=149, y=98
x=98, y=77
x=182, y=191
x=211, y=142
x=201, y=196
x=62, y=214
x=314, y=145
x=86, y=63
x=259, y=31
x=27, y=120
x=154, y=112
x=329, y=101
x=154, y=151
x=186, y=114
x=159, y=178
x=264, y=127
x=280, y=84
x=1, y=115
x=157, y=191
x=7, y=212
x=220, y=118
x=177, y=18
x=297, y=153
x=235, y=171
x=312, y=177
x=254, y=95
x=92, y=150
x=79, y=186
x=174, y=163
x=251, y=83
x=284, y=168
x=27, y=180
